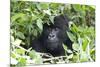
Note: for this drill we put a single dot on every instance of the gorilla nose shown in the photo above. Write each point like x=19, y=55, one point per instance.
x=51, y=36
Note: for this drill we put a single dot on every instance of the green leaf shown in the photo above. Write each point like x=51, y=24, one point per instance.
x=84, y=57
x=52, y=19
x=20, y=35
x=41, y=6
x=71, y=36
x=13, y=55
x=32, y=54
x=22, y=61
x=69, y=51
x=76, y=46
x=39, y=24
x=17, y=42
x=80, y=41
x=47, y=12
x=92, y=51
x=54, y=6
x=65, y=47
x=44, y=5
x=76, y=58
x=74, y=28
x=12, y=38
x=20, y=51
x=77, y=7
x=16, y=16
x=85, y=43
x=35, y=32
x=36, y=57
x=34, y=17
x=93, y=6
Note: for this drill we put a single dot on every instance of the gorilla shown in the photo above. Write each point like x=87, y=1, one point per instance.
x=53, y=37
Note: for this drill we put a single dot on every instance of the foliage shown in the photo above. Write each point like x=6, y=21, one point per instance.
x=27, y=19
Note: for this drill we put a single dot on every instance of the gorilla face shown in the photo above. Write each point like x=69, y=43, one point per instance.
x=52, y=37
x=52, y=34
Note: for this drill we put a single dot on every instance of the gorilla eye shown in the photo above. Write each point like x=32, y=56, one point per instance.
x=56, y=29
x=49, y=29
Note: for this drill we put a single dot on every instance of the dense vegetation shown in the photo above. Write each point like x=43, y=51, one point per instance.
x=27, y=19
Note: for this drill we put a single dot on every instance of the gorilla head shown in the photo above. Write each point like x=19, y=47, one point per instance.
x=52, y=37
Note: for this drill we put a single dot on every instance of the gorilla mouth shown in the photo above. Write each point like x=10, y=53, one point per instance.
x=52, y=40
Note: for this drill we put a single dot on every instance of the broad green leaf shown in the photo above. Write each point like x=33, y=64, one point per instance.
x=12, y=38
x=38, y=60
x=77, y=7
x=41, y=6
x=93, y=6
x=74, y=28
x=92, y=53
x=65, y=47
x=76, y=46
x=76, y=16
x=47, y=12
x=44, y=5
x=16, y=16
x=39, y=24
x=32, y=54
x=85, y=43
x=34, y=17
x=22, y=61
x=20, y=51
x=36, y=57
x=80, y=44
x=20, y=35
x=80, y=41
x=17, y=42
x=35, y=32
x=54, y=6
x=30, y=27
x=84, y=57
x=71, y=36
x=13, y=55
x=92, y=50
x=76, y=58
x=52, y=19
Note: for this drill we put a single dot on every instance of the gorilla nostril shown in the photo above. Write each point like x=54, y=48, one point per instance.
x=51, y=36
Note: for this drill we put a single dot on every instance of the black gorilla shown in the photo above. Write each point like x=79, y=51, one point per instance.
x=53, y=36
